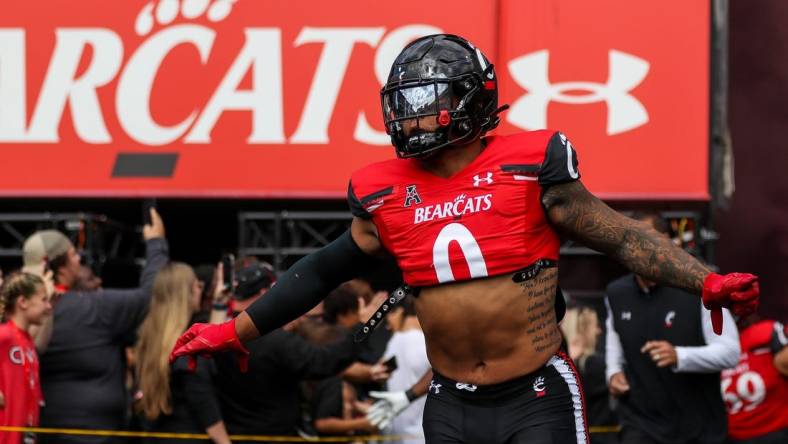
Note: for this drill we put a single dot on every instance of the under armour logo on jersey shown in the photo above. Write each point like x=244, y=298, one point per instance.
x=478, y=179
x=411, y=195
x=624, y=112
x=539, y=386
x=435, y=386
x=464, y=386
x=626, y=315
x=669, y=319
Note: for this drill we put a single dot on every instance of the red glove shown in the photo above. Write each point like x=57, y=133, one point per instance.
x=736, y=291
x=206, y=339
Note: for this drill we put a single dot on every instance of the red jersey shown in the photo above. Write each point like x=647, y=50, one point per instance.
x=18, y=381
x=756, y=395
x=485, y=220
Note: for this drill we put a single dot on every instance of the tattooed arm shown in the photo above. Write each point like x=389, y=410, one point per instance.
x=573, y=210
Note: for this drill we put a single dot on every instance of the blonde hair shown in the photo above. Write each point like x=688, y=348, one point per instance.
x=17, y=285
x=168, y=316
x=582, y=322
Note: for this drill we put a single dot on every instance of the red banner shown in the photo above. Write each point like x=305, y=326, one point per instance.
x=244, y=98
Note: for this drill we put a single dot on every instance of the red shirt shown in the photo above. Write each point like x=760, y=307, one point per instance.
x=755, y=394
x=18, y=381
x=486, y=220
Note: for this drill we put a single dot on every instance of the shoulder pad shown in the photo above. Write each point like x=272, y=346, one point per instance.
x=560, y=162
x=368, y=187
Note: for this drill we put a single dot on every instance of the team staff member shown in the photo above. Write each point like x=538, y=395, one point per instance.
x=24, y=302
x=83, y=368
x=756, y=390
x=264, y=399
x=664, y=361
x=472, y=222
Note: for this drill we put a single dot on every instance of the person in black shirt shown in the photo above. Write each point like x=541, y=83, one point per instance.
x=663, y=361
x=174, y=399
x=264, y=399
x=83, y=368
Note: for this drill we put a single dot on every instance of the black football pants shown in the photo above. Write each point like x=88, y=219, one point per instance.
x=543, y=407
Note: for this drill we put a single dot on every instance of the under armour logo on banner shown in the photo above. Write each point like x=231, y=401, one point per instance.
x=624, y=112
x=411, y=195
x=477, y=179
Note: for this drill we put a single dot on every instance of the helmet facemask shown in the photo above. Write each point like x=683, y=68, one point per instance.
x=444, y=100
x=445, y=81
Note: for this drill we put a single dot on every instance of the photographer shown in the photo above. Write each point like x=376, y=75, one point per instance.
x=82, y=370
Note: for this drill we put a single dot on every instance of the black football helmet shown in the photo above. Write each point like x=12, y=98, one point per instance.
x=444, y=77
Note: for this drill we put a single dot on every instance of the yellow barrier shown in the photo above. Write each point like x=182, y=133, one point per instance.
x=163, y=435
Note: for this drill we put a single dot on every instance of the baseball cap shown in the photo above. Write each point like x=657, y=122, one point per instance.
x=45, y=244
x=253, y=278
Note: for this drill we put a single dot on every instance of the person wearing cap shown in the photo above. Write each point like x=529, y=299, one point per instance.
x=82, y=369
x=264, y=399
x=56, y=250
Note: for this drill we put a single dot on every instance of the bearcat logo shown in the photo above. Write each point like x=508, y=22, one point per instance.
x=461, y=205
x=540, y=387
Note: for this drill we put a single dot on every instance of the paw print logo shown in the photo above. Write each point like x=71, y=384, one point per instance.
x=539, y=387
x=165, y=12
x=459, y=198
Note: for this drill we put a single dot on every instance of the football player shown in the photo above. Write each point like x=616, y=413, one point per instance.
x=756, y=390
x=473, y=222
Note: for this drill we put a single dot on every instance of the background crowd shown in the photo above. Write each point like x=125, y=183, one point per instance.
x=74, y=354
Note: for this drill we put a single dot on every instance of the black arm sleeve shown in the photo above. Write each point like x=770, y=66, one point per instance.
x=308, y=282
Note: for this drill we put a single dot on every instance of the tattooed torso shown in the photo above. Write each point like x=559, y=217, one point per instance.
x=490, y=330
